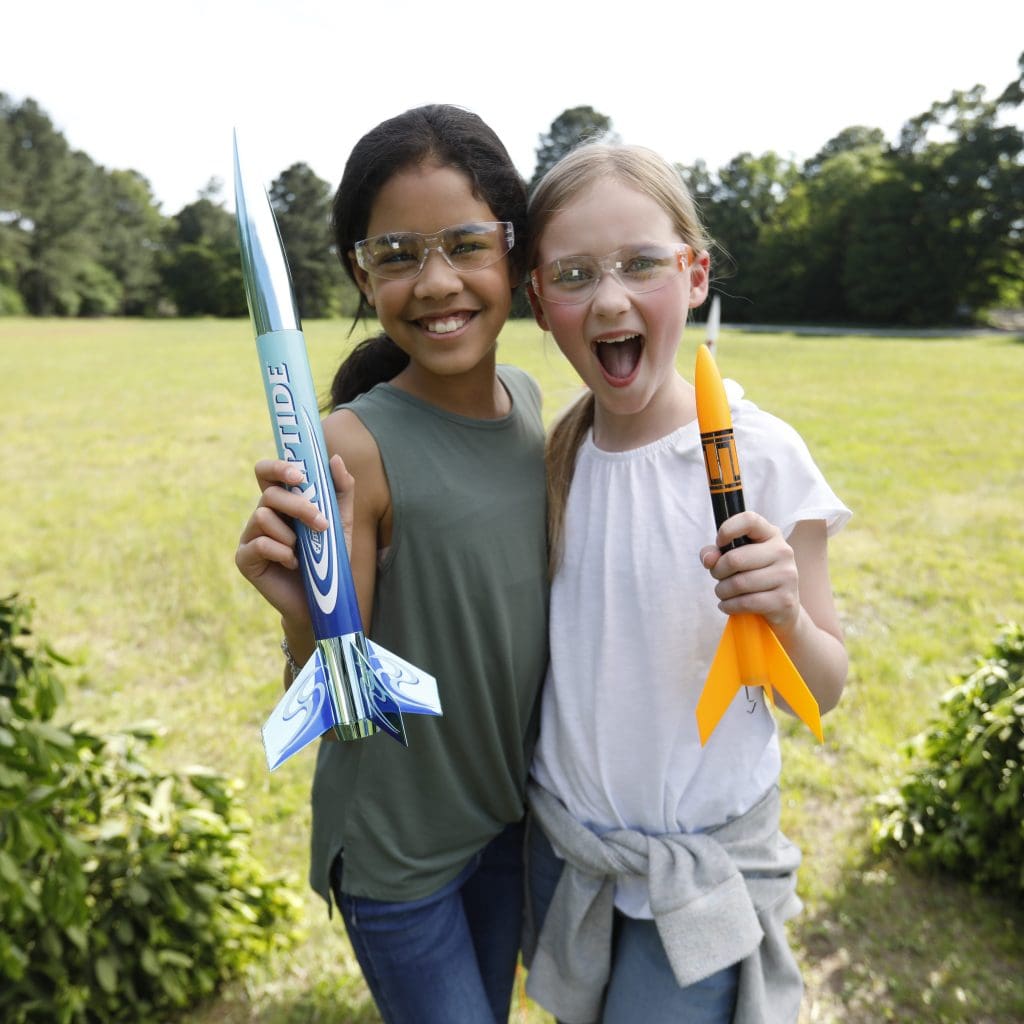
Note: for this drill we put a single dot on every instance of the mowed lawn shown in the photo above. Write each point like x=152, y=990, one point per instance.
x=128, y=449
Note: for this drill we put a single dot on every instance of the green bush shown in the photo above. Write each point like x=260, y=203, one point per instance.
x=962, y=810
x=125, y=892
x=11, y=303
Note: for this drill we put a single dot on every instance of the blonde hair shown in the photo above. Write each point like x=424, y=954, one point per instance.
x=646, y=172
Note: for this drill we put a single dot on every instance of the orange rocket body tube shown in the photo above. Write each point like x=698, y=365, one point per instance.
x=749, y=653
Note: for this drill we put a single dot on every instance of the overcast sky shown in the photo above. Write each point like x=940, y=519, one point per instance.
x=158, y=86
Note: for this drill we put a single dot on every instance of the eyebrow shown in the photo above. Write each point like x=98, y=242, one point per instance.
x=476, y=227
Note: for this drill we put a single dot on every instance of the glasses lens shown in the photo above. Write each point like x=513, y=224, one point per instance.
x=475, y=246
x=568, y=280
x=465, y=247
x=575, y=278
x=396, y=255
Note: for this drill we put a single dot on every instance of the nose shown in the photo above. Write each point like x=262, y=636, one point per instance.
x=437, y=278
x=610, y=295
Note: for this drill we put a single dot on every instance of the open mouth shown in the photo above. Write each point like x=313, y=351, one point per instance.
x=619, y=357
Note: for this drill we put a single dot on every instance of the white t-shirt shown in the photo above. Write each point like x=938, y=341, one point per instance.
x=635, y=624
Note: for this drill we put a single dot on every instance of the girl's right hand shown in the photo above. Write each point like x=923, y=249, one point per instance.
x=266, y=554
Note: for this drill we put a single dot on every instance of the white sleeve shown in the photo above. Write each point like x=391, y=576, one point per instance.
x=781, y=481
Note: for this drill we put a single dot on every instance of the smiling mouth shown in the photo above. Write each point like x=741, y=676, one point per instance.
x=445, y=324
x=619, y=357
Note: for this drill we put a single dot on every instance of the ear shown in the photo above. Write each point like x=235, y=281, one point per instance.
x=363, y=279
x=538, y=311
x=700, y=279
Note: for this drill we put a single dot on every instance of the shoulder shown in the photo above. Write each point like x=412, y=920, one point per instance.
x=521, y=386
x=515, y=378
x=759, y=428
x=348, y=436
x=786, y=482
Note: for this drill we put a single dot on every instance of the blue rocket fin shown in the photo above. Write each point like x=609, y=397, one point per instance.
x=387, y=684
x=391, y=685
x=381, y=707
x=303, y=714
x=414, y=690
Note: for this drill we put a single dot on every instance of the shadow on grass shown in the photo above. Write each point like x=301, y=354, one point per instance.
x=894, y=945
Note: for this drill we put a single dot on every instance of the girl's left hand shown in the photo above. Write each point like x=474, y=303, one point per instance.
x=761, y=577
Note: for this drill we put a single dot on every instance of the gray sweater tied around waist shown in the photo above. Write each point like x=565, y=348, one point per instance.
x=718, y=897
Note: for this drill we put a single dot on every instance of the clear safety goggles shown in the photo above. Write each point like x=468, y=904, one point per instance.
x=643, y=268
x=465, y=247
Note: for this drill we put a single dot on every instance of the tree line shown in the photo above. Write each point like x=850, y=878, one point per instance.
x=924, y=230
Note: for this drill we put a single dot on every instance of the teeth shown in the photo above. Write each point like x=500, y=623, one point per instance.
x=445, y=325
x=616, y=341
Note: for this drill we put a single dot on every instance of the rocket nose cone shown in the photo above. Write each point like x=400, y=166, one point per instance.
x=268, y=286
x=712, y=405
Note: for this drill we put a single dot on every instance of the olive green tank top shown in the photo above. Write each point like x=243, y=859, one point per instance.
x=461, y=593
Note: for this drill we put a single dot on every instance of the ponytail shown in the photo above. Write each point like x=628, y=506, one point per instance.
x=373, y=361
x=560, y=453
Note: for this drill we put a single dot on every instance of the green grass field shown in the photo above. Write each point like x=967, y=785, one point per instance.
x=129, y=449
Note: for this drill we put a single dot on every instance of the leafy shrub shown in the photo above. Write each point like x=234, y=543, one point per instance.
x=962, y=810
x=125, y=892
x=11, y=303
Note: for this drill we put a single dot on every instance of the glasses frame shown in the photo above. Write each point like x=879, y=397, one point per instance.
x=612, y=264
x=433, y=243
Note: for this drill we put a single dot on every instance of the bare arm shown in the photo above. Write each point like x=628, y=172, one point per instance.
x=345, y=434
x=266, y=550
x=788, y=584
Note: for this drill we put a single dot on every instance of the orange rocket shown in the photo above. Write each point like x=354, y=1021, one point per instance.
x=749, y=653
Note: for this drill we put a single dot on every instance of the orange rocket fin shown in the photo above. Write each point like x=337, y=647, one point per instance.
x=736, y=664
x=789, y=683
x=721, y=685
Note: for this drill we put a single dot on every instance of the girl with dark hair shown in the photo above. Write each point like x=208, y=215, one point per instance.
x=421, y=848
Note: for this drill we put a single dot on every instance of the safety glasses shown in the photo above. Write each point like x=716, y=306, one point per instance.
x=643, y=268
x=465, y=247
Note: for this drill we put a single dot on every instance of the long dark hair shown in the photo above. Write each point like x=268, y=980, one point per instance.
x=453, y=137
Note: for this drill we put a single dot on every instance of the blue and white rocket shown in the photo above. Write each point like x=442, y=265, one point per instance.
x=350, y=684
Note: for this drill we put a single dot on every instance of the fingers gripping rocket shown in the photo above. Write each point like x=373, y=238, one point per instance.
x=749, y=653
x=350, y=684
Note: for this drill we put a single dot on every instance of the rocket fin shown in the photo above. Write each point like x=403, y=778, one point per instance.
x=303, y=714
x=789, y=683
x=721, y=685
x=390, y=685
x=381, y=706
x=413, y=689
x=774, y=673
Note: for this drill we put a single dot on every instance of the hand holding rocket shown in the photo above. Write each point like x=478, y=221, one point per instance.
x=749, y=653
x=350, y=684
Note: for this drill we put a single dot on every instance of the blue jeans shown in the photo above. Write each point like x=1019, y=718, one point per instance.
x=642, y=986
x=450, y=956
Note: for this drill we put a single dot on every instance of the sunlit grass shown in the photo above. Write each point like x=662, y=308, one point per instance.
x=128, y=452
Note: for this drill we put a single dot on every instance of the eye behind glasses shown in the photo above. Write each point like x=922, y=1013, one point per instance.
x=401, y=255
x=646, y=268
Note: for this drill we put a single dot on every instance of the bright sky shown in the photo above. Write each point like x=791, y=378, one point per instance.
x=158, y=86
